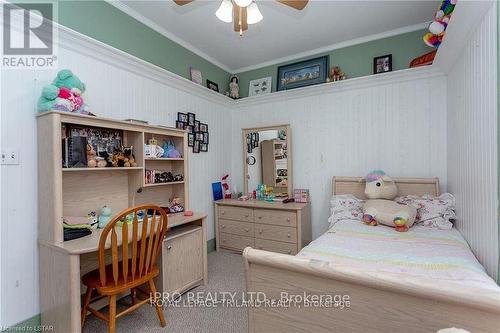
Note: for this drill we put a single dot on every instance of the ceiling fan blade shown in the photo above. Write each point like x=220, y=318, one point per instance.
x=182, y=2
x=297, y=4
x=236, y=18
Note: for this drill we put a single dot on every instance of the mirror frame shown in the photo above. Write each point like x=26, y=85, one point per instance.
x=288, y=130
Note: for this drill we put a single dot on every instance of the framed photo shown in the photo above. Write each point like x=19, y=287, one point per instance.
x=196, y=146
x=382, y=64
x=196, y=125
x=183, y=117
x=196, y=75
x=212, y=85
x=260, y=86
x=203, y=127
x=190, y=139
x=204, y=147
x=191, y=118
x=205, y=137
x=303, y=73
x=198, y=136
x=190, y=128
x=180, y=125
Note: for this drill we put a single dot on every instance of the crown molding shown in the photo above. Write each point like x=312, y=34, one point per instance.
x=411, y=74
x=149, y=23
x=335, y=46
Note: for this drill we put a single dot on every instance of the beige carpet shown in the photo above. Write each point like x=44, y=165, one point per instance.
x=225, y=274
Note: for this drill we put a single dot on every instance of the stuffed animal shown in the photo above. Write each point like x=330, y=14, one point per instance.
x=91, y=157
x=105, y=217
x=50, y=100
x=170, y=151
x=71, y=89
x=175, y=206
x=225, y=186
x=380, y=190
x=439, y=24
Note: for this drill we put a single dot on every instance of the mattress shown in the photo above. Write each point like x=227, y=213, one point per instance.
x=423, y=257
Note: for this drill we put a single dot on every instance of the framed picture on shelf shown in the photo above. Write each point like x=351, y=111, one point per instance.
x=205, y=137
x=382, y=64
x=204, y=147
x=196, y=125
x=212, y=85
x=191, y=118
x=180, y=125
x=183, y=117
x=196, y=146
x=303, y=73
x=196, y=75
x=190, y=139
x=203, y=127
x=198, y=136
x=260, y=86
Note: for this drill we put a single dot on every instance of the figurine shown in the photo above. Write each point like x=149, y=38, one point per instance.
x=225, y=186
x=92, y=218
x=175, y=206
x=336, y=74
x=105, y=217
x=234, y=89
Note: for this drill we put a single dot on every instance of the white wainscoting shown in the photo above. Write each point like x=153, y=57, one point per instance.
x=472, y=142
x=119, y=86
x=395, y=122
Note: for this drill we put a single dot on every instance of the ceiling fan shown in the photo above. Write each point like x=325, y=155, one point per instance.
x=244, y=12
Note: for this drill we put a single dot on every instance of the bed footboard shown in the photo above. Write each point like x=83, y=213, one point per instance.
x=309, y=296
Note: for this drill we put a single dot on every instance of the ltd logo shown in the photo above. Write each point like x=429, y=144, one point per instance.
x=28, y=35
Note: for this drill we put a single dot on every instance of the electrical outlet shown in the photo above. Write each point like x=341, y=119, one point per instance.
x=9, y=156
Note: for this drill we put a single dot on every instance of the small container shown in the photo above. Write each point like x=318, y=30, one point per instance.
x=301, y=195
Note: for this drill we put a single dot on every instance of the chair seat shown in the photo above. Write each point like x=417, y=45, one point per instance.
x=93, y=280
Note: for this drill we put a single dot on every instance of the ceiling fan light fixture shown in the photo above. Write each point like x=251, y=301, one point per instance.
x=242, y=3
x=253, y=14
x=225, y=11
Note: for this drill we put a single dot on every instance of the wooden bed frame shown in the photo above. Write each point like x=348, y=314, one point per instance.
x=375, y=305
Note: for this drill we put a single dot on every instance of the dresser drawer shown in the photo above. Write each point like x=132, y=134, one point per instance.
x=274, y=246
x=235, y=213
x=276, y=217
x=236, y=227
x=273, y=232
x=235, y=242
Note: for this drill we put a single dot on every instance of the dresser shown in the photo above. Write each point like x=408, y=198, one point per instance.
x=270, y=226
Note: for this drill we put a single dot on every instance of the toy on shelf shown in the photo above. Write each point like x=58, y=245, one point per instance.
x=64, y=94
x=336, y=74
x=175, y=206
x=381, y=190
x=170, y=151
x=91, y=157
x=225, y=187
x=438, y=26
x=105, y=217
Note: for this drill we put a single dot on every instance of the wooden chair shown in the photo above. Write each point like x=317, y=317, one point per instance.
x=137, y=265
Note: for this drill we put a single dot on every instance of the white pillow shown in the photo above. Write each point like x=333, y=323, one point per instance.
x=345, y=207
x=435, y=212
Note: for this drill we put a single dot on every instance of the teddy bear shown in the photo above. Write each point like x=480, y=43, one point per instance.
x=71, y=88
x=380, y=189
x=50, y=100
x=91, y=156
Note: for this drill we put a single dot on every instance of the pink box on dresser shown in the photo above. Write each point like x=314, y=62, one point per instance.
x=301, y=195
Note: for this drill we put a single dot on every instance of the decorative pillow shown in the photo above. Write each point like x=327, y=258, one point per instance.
x=345, y=207
x=432, y=211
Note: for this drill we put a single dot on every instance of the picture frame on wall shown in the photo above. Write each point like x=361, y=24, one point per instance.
x=196, y=125
x=260, y=86
x=190, y=139
x=180, y=125
x=204, y=147
x=196, y=76
x=382, y=64
x=196, y=146
x=205, y=137
x=302, y=74
x=203, y=127
x=198, y=136
x=190, y=128
x=191, y=118
x=182, y=117
x=212, y=85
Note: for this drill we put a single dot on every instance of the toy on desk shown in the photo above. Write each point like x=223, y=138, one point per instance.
x=175, y=206
x=188, y=213
x=225, y=186
x=91, y=157
x=105, y=217
x=92, y=218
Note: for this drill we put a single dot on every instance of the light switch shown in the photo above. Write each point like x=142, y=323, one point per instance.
x=10, y=156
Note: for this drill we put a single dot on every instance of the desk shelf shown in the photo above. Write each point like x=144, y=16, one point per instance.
x=163, y=184
x=101, y=169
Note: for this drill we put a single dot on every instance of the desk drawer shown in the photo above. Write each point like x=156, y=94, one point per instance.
x=273, y=232
x=276, y=217
x=274, y=246
x=236, y=228
x=236, y=213
x=235, y=242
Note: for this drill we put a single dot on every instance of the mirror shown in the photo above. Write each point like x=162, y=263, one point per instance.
x=267, y=159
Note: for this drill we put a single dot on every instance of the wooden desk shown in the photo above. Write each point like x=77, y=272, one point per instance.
x=63, y=264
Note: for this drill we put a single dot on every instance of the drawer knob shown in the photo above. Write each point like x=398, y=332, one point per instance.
x=288, y=219
x=223, y=212
x=260, y=231
x=246, y=215
x=247, y=230
x=288, y=235
x=289, y=251
x=169, y=247
x=223, y=226
x=224, y=240
x=260, y=217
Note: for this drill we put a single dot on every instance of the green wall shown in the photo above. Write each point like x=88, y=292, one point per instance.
x=102, y=21
x=356, y=60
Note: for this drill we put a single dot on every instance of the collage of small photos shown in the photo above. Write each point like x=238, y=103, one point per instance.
x=197, y=131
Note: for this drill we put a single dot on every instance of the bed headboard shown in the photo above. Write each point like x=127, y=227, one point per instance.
x=406, y=186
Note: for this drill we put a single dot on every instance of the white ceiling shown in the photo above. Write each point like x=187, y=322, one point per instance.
x=284, y=33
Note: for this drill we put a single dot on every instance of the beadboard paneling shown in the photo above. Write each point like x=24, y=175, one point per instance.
x=118, y=86
x=396, y=125
x=472, y=142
